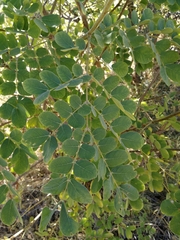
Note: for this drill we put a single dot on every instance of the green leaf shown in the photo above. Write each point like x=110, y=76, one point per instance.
x=85, y=109
x=3, y=163
x=64, y=73
x=7, y=147
x=175, y=224
x=108, y=56
x=35, y=137
x=1, y=136
x=177, y=195
x=75, y=101
x=103, y=123
x=34, y=31
x=75, y=82
x=107, y=188
x=130, y=191
x=19, y=116
x=63, y=108
x=76, y=120
x=129, y=106
x=49, y=148
x=85, y=170
x=68, y=226
x=143, y=54
x=164, y=75
x=45, y=218
x=169, y=57
x=96, y=185
x=98, y=74
x=77, y=70
x=147, y=14
x=110, y=112
x=116, y=157
x=173, y=72
x=101, y=169
x=61, y=165
x=132, y=140
x=3, y=191
x=34, y=86
x=7, y=88
x=107, y=144
x=86, y=151
x=9, y=74
x=29, y=151
x=121, y=68
x=8, y=175
x=20, y=161
x=9, y=213
x=123, y=173
x=51, y=20
x=55, y=186
x=33, y=8
x=134, y=17
x=50, y=78
x=41, y=25
x=49, y=120
x=168, y=207
x=78, y=192
x=118, y=202
x=121, y=124
x=163, y=45
x=120, y=92
x=70, y=147
x=99, y=133
x=3, y=41
x=99, y=102
x=64, y=40
x=111, y=82
x=137, y=205
x=64, y=132
x=41, y=98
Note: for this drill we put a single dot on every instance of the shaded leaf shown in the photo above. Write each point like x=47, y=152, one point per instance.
x=35, y=137
x=130, y=191
x=85, y=170
x=49, y=120
x=123, y=173
x=9, y=213
x=55, y=186
x=61, y=165
x=132, y=140
x=49, y=148
x=67, y=224
x=78, y=192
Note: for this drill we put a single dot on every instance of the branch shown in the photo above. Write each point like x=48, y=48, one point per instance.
x=100, y=18
x=83, y=16
x=53, y=6
x=117, y=5
x=123, y=9
x=166, y=117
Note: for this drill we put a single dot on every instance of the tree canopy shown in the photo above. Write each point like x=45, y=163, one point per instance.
x=93, y=86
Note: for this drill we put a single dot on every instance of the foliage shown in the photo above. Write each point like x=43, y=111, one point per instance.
x=96, y=92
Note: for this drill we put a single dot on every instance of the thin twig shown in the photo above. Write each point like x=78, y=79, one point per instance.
x=53, y=6
x=121, y=13
x=83, y=16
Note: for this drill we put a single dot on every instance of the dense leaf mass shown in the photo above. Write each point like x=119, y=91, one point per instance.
x=91, y=91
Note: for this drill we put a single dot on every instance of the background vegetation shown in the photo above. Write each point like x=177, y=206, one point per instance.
x=90, y=119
